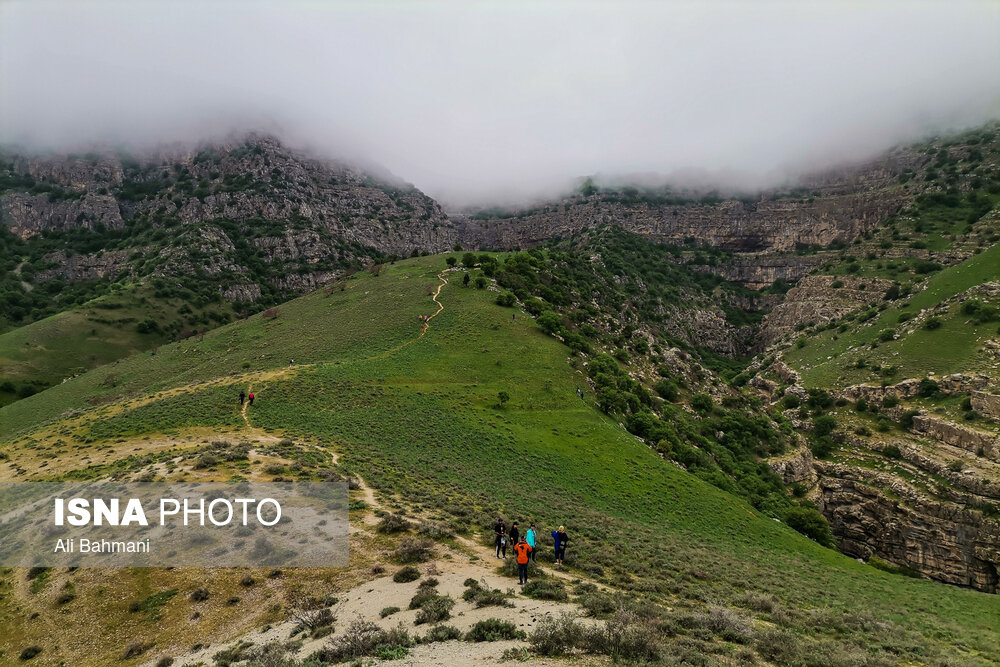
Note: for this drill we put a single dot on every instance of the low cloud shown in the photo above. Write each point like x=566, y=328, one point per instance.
x=496, y=102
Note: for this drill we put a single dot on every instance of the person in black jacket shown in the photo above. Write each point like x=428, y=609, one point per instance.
x=515, y=534
x=501, y=537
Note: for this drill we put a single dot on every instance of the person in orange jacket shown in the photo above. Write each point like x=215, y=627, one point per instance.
x=522, y=549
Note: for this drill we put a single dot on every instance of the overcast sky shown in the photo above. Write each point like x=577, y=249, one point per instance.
x=479, y=102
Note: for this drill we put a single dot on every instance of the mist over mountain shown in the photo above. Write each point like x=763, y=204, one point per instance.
x=488, y=103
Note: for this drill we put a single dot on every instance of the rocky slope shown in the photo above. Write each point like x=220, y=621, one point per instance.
x=250, y=211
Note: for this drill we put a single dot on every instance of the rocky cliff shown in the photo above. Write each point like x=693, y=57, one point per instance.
x=297, y=215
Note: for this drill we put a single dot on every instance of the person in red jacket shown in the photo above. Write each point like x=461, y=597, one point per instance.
x=522, y=549
x=251, y=398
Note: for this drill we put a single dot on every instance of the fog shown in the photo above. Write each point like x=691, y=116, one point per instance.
x=494, y=102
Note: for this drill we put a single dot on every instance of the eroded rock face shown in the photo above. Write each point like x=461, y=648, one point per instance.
x=304, y=218
x=986, y=404
x=817, y=300
x=942, y=540
x=794, y=467
x=980, y=443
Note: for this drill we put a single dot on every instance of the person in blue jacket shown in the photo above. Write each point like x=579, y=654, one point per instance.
x=530, y=537
x=561, y=539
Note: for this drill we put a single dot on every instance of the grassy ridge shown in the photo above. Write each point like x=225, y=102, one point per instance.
x=422, y=421
x=827, y=360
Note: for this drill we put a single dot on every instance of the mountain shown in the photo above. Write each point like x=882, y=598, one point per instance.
x=446, y=428
x=851, y=320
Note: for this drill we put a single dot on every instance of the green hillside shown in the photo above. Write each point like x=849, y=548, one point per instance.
x=98, y=332
x=419, y=417
x=931, y=332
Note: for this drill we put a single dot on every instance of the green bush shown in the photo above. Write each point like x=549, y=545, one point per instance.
x=702, y=403
x=436, y=609
x=824, y=425
x=810, y=523
x=556, y=635
x=493, y=630
x=406, y=575
x=892, y=452
x=667, y=389
x=388, y=611
x=546, y=589
x=442, y=633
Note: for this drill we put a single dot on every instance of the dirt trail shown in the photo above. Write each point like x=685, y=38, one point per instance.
x=423, y=330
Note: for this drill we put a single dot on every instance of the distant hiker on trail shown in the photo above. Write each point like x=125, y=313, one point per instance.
x=513, y=317
x=500, y=529
x=530, y=538
x=561, y=539
x=251, y=398
x=291, y=362
x=515, y=534
x=523, y=551
x=242, y=397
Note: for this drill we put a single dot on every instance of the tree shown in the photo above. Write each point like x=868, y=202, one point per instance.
x=550, y=323
x=503, y=397
x=667, y=389
x=702, y=403
x=450, y=261
x=824, y=425
x=810, y=523
x=457, y=247
x=468, y=260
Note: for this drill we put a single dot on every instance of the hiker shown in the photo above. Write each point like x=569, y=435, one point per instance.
x=242, y=398
x=513, y=317
x=530, y=537
x=251, y=398
x=500, y=529
x=291, y=362
x=515, y=534
x=561, y=539
x=523, y=551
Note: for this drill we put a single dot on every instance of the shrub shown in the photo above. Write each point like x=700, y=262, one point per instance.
x=892, y=452
x=824, y=425
x=810, y=523
x=393, y=523
x=929, y=388
x=406, y=575
x=550, y=323
x=890, y=401
x=967, y=403
x=364, y=638
x=546, y=589
x=30, y=652
x=505, y=299
x=422, y=595
x=134, y=649
x=435, y=610
x=413, y=550
x=702, y=403
x=624, y=636
x=932, y=323
x=667, y=389
x=442, y=633
x=484, y=596
x=597, y=604
x=388, y=611
x=492, y=630
x=790, y=401
x=907, y=419
x=199, y=595
x=556, y=635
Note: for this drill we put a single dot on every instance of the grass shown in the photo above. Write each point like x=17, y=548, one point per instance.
x=99, y=332
x=829, y=362
x=419, y=418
